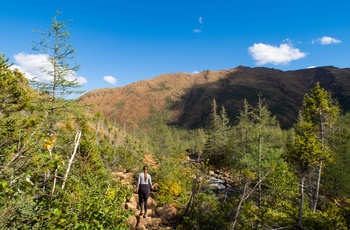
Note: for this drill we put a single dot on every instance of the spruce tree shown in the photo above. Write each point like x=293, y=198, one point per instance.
x=304, y=155
x=310, y=151
x=14, y=89
x=15, y=95
x=319, y=110
x=258, y=142
x=216, y=145
x=61, y=83
x=337, y=178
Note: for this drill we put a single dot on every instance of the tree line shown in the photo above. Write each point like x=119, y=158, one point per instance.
x=290, y=179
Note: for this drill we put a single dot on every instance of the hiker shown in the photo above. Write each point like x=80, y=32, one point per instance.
x=144, y=186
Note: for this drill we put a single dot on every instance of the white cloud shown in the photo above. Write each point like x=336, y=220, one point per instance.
x=80, y=80
x=199, y=30
x=195, y=72
x=31, y=64
x=200, y=20
x=283, y=54
x=312, y=67
x=325, y=40
x=110, y=79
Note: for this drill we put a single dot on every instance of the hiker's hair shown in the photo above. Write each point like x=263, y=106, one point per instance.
x=144, y=173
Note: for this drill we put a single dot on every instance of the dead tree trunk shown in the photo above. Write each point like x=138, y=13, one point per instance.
x=76, y=144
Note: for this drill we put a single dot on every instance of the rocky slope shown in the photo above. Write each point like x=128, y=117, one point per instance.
x=188, y=96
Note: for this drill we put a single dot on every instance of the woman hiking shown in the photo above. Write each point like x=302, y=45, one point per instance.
x=144, y=186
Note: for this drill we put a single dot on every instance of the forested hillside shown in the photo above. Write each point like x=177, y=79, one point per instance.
x=58, y=156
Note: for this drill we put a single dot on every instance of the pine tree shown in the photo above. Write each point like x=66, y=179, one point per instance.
x=258, y=137
x=15, y=95
x=319, y=110
x=54, y=107
x=216, y=145
x=14, y=89
x=267, y=149
x=337, y=178
x=304, y=155
x=310, y=149
x=59, y=69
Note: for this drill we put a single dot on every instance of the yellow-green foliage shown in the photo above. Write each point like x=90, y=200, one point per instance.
x=175, y=180
x=328, y=218
x=168, y=191
x=14, y=91
x=173, y=187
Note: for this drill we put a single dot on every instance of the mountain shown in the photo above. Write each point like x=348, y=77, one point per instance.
x=188, y=97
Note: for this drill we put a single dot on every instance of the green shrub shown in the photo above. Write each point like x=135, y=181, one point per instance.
x=208, y=213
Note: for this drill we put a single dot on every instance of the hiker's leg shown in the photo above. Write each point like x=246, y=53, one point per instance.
x=147, y=194
x=141, y=200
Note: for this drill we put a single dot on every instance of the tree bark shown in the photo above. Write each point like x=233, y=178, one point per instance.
x=239, y=206
x=76, y=144
x=54, y=182
x=301, y=203
x=259, y=172
x=317, y=191
x=317, y=187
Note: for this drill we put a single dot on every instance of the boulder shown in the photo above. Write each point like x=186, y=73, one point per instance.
x=154, y=222
x=167, y=212
x=155, y=187
x=130, y=205
x=152, y=203
x=132, y=221
x=134, y=199
x=141, y=227
x=144, y=221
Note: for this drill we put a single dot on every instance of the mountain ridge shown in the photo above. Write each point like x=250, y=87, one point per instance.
x=187, y=97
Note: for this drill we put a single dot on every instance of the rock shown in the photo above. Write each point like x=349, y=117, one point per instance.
x=132, y=221
x=152, y=203
x=150, y=161
x=129, y=205
x=136, y=212
x=145, y=221
x=124, y=177
x=134, y=199
x=167, y=212
x=155, y=187
x=129, y=177
x=155, y=222
x=141, y=227
x=157, y=217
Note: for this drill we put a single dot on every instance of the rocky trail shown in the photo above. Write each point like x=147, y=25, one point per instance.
x=158, y=218
x=163, y=217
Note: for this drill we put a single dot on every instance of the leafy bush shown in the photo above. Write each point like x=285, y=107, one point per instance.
x=169, y=191
x=208, y=212
x=327, y=218
x=87, y=204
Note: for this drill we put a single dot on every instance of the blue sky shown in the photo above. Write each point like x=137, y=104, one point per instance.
x=120, y=42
